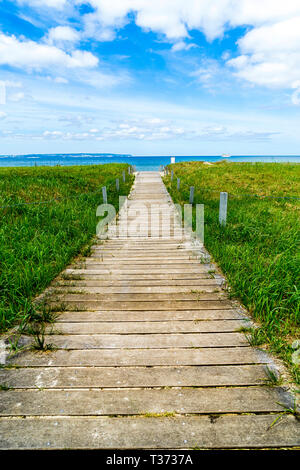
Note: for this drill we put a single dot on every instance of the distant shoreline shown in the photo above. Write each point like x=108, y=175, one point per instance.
x=142, y=163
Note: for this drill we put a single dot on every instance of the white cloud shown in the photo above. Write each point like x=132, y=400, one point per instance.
x=296, y=94
x=30, y=54
x=182, y=46
x=62, y=34
x=270, y=54
x=12, y=84
x=16, y=97
x=174, y=18
x=61, y=80
x=2, y=115
x=59, y=4
x=50, y=134
x=160, y=130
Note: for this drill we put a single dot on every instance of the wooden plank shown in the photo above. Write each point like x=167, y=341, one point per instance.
x=94, y=275
x=160, y=262
x=149, y=315
x=128, y=377
x=153, y=293
x=125, y=327
x=127, y=271
x=133, y=290
x=145, y=341
x=246, y=431
x=95, y=402
x=67, y=295
x=146, y=305
x=113, y=284
x=143, y=357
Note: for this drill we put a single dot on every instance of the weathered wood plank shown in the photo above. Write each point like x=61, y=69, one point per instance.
x=68, y=296
x=148, y=433
x=140, y=357
x=156, y=292
x=146, y=305
x=97, y=402
x=146, y=341
x=149, y=315
x=141, y=327
x=128, y=377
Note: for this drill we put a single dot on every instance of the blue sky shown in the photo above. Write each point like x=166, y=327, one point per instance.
x=150, y=77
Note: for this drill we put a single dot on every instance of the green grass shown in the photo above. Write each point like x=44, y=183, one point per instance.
x=258, y=250
x=37, y=241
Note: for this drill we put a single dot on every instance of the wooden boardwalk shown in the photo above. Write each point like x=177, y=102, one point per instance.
x=149, y=353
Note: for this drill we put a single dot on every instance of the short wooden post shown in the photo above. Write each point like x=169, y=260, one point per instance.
x=118, y=184
x=129, y=170
x=223, y=208
x=191, y=200
x=124, y=176
x=178, y=184
x=104, y=195
x=172, y=175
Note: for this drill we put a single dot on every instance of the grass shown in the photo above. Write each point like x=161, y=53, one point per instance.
x=274, y=379
x=258, y=250
x=37, y=241
x=287, y=411
x=165, y=414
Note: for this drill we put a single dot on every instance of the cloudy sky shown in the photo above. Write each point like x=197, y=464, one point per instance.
x=150, y=77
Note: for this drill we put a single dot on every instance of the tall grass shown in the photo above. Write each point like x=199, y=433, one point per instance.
x=258, y=250
x=38, y=240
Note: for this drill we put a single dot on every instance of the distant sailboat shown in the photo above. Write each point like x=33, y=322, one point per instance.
x=226, y=155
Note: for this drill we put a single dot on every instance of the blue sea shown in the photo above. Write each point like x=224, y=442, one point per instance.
x=145, y=163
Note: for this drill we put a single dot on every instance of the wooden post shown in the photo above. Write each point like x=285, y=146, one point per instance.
x=104, y=195
x=200, y=222
x=191, y=200
x=124, y=176
x=118, y=184
x=178, y=184
x=172, y=175
x=223, y=208
x=129, y=170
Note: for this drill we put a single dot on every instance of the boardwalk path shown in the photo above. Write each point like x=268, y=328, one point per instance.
x=149, y=356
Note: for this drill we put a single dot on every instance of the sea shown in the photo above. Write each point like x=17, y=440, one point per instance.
x=142, y=163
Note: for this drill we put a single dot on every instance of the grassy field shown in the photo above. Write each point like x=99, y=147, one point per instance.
x=258, y=250
x=38, y=240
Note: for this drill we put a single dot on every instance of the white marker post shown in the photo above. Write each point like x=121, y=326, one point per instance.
x=172, y=175
x=172, y=159
x=104, y=195
x=191, y=200
x=124, y=176
x=118, y=184
x=129, y=170
x=223, y=208
x=178, y=184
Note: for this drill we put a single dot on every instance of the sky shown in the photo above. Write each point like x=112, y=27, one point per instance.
x=150, y=77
